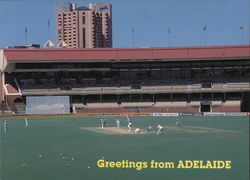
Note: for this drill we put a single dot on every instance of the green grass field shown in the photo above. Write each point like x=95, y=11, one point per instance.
x=59, y=139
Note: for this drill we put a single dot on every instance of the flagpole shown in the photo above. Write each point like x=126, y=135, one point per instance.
x=205, y=31
x=242, y=34
x=133, y=37
x=48, y=28
x=205, y=37
x=26, y=31
x=169, y=39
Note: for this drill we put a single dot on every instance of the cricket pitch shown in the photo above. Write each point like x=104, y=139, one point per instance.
x=111, y=130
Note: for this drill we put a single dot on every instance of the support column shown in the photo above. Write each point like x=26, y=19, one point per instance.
x=118, y=98
x=189, y=98
x=83, y=99
x=1, y=87
x=160, y=74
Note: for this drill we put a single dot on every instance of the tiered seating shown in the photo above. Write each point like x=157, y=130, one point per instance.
x=238, y=85
x=216, y=103
x=89, y=81
x=232, y=103
x=136, y=104
x=110, y=104
x=226, y=109
x=183, y=109
x=108, y=88
x=124, y=88
x=194, y=103
x=137, y=110
x=179, y=87
x=105, y=110
x=170, y=104
x=103, y=105
x=179, y=103
x=217, y=85
x=163, y=104
x=165, y=87
x=79, y=105
x=27, y=82
x=196, y=86
x=169, y=109
x=94, y=105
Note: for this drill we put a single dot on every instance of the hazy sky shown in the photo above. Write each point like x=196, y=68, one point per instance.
x=151, y=21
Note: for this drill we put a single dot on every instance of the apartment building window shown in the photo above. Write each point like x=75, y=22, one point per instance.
x=83, y=37
x=83, y=20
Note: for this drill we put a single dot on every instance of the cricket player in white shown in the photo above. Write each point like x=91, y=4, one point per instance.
x=26, y=122
x=117, y=123
x=5, y=125
x=102, y=122
x=160, y=129
x=129, y=126
x=178, y=123
x=137, y=131
x=149, y=128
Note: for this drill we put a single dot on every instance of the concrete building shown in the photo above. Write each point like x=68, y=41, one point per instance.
x=84, y=27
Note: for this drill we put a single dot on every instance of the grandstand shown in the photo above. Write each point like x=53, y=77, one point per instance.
x=181, y=79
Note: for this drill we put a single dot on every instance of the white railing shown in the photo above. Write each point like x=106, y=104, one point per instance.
x=145, y=89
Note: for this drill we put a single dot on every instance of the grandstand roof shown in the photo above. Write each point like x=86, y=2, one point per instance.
x=124, y=54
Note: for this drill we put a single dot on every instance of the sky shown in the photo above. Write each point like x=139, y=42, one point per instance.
x=156, y=23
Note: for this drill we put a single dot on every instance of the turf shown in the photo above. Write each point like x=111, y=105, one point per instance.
x=44, y=151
